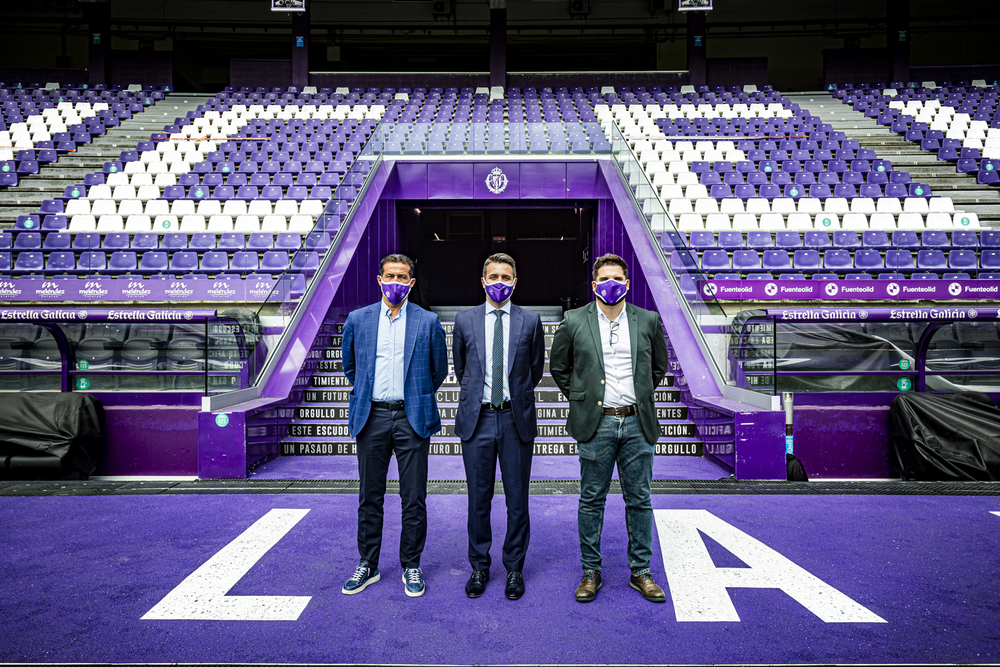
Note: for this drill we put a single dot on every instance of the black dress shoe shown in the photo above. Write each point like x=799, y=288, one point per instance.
x=515, y=586
x=476, y=585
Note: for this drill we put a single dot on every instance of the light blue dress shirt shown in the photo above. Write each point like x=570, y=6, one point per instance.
x=490, y=324
x=389, y=356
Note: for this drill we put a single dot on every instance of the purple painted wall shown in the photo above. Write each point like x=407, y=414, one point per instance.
x=850, y=441
x=150, y=440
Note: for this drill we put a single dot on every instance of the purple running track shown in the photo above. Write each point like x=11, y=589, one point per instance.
x=80, y=572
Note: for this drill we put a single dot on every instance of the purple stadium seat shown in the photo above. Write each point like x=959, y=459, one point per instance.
x=87, y=241
x=28, y=262
x=932, y=239
x=115, y=241
x=931, y=258
x=232, y=241
x=174, y=241
x=260, y=241
x=52, y=206
x=816, y=240
x=274, y=261
x=56, y=241
x=202, y=241
x=846, y=239
x=153, y=261
x=318, y=241
x=806, y=259
x=32, y=221
x=683, y=260
x=145, y=241
x=62, y=261
x=964, y=238
x=91, y=261
x=185, y=260
x=899, y=260
x=838, y=259
x=776, y=260
x=214, y=261
x=172, y=192
x=122, y=261
x=244, y=261
x=54, y=222
x=876, y=239
x=868, y=259
x=700, y=240
x=746, y=260
x=715, y=260
x=962, y=259
x=74, y=191
x=248, y=193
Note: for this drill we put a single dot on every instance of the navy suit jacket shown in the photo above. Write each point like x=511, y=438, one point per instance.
x=525, y=365
x=425, y=366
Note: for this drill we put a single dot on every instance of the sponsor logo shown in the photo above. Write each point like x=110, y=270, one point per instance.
x=496, y=181
x=892, y=289
x=831, y=289
x=710, y=289
x=770, y=289
x=954, y=289
x=136, y=290
x=93, y=290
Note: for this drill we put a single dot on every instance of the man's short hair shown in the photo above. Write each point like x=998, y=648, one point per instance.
x=604, y=260
x=500, y=258
x=395, y=258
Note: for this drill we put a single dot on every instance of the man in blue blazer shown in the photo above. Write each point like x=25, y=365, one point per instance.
x=499, y=354
x=395, y=356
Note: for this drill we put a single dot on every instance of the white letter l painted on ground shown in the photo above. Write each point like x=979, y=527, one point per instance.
x=202, y=595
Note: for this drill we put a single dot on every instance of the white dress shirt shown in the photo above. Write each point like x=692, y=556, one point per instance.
x=619, y=390
x=488, y=371
x=389, y=354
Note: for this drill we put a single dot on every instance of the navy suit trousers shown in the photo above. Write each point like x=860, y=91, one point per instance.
x=387, y=432
x=496, y=437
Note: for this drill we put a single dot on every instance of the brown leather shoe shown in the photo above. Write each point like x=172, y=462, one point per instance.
x=589, y=585
x=644, y=584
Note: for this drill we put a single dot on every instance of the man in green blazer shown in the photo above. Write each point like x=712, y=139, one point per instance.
x=607, y=358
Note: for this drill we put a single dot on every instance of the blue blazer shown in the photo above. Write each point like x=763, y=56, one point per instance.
x=425, y=366
x=525, y=365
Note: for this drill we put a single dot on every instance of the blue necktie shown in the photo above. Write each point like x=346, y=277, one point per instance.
x=496, y=391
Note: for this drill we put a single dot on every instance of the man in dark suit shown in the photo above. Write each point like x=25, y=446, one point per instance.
x=396, y=357
x=607, y=358
x=499, y=354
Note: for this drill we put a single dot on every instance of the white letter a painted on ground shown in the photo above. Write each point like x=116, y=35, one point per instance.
x=202, y=595
x=698, y=587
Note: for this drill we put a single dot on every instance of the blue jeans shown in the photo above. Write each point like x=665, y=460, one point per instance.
x=617, y=439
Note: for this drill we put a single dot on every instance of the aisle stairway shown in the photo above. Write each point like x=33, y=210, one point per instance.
x=319, y=423
x=52, y=180
x=922, y=165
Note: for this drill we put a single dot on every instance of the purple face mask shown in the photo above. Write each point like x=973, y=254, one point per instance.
x=611, y=291
x=394, y=293
x=499, y=291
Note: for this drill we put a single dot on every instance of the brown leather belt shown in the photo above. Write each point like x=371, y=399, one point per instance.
x=621, y=412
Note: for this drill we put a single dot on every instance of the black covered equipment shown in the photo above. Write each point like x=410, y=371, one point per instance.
x=50, y=434
x=945, y=437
